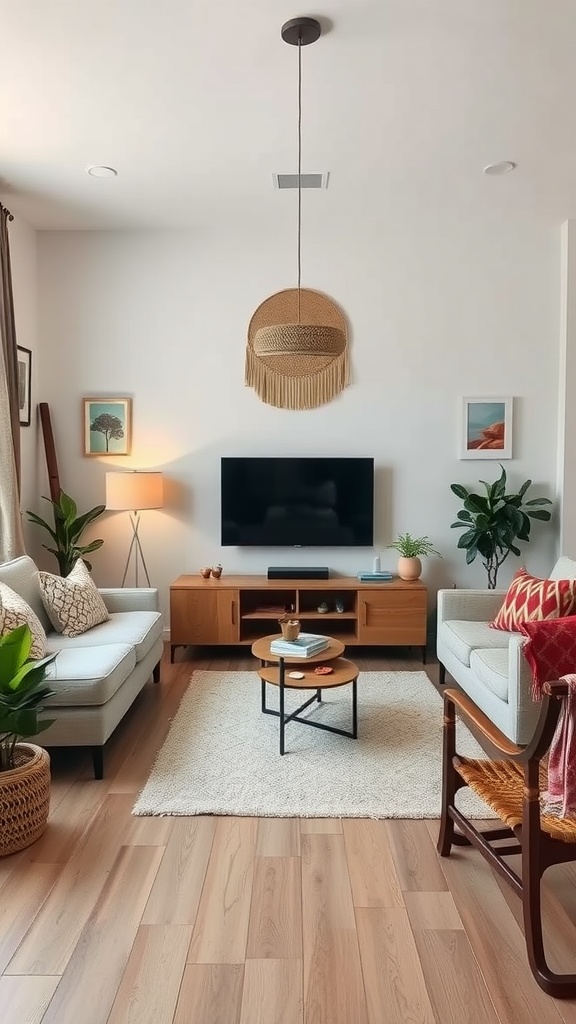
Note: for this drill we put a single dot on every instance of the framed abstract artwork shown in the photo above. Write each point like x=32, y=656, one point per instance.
x=24, y=384
x=107, y=426
x=486, y=429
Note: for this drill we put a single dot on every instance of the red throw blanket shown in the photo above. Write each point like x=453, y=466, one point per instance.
x=551, y=653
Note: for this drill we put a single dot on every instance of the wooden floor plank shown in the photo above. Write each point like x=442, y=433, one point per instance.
x=24, y=1000
x=370, y=864
x=275, y=927
x=310, y=826
x=178, y=885
x=150, y=985
x=51, y=940
x=221, y=928
x=94, y=972
x=21, y=899
x=395, y=986
x=333, y=985
x=210, y=994
x=272, y=992
x=455, y=985
x=415, y=856
x=432, y=910
x=278, y=837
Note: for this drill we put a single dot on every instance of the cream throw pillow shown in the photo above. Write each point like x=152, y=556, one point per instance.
x=73, y=603
x=15, y=611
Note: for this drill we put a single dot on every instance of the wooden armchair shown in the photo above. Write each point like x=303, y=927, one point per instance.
x=509, y=781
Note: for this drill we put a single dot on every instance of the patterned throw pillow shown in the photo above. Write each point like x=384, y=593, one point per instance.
x=14, y=611
x=529, y=599
x=550, y=649
x=73, y=603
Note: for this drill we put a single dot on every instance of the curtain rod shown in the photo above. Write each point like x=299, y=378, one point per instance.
x=4, y=209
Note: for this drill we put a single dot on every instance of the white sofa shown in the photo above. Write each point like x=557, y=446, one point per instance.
x=488, y=664
x=96, y=675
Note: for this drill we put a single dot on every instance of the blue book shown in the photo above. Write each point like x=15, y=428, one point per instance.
x=375, y=577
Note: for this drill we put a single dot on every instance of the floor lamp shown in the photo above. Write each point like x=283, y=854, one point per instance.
x=133, y=492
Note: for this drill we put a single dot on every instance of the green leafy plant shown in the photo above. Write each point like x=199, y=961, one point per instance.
x=413, y=547
x=67, y=530
x=493, y=522
x=22, y=693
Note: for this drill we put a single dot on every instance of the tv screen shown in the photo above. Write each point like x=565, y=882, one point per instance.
x=319, y=502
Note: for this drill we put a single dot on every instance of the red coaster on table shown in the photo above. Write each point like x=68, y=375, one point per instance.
x=323, y=670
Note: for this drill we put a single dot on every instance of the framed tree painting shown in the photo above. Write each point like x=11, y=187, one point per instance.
x=107, y=426
x=486, y=431
x=24, y=384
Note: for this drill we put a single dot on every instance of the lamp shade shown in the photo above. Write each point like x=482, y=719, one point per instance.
x=130, y=492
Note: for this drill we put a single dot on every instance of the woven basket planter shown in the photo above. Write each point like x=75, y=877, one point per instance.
x=24, y=799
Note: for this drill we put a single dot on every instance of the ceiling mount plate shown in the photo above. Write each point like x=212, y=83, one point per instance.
x=301, y=30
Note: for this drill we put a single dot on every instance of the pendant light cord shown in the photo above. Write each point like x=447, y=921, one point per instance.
x=299, y=168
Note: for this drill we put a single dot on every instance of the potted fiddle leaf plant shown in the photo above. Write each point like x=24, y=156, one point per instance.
x=67, y=530
x=24, y=767
x=495, y=521
x=411, y=550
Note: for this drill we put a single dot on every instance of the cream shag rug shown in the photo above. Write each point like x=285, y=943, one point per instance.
x=221, y=754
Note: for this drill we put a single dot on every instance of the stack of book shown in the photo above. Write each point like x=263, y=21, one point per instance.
x=375, y=577
x=304, y=646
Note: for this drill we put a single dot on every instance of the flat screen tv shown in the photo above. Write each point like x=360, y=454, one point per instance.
x=297, y=502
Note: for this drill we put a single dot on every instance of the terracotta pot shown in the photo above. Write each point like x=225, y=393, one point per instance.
x=205, y=571
x=24, y=799
x=409, y=568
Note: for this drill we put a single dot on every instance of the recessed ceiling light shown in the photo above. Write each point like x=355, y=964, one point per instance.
x=502, y=167
x=102, y=172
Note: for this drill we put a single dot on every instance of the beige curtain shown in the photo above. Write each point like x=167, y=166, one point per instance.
x=11, y=539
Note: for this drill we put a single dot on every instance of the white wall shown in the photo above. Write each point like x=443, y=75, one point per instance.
x=23, y=254
x=438, y=309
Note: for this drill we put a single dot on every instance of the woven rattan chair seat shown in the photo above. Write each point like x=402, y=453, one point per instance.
x=500, y=784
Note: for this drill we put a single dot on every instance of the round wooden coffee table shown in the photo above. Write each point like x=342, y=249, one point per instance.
x=273, y=670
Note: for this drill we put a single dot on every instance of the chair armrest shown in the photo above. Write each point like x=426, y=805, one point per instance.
x=470, y=605
x=490, y=737
x=130, y=599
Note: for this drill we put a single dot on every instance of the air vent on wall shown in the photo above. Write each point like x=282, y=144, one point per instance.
x=317, y=180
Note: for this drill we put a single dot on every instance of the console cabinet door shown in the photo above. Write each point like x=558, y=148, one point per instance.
x=204, y=616
x=394, y=617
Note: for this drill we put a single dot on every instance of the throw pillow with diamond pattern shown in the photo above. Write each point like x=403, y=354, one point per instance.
x=15, y=611
x=529, y=599
x=73, y=603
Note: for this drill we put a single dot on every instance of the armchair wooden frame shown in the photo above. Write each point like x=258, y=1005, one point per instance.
x=510, y=784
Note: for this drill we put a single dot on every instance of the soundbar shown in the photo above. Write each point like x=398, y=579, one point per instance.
x=298, y=572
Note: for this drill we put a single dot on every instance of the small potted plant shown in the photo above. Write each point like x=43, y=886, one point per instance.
x=66, y=532
x=24, y=767
x=411, y=550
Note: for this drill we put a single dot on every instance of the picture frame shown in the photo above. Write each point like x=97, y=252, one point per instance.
x=24, y=385
x=107, y=426
x=486, y=428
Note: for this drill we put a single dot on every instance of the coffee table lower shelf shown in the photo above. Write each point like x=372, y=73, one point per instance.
x=344, y=672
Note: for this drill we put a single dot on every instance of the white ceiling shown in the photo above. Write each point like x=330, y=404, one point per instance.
x=194, y=102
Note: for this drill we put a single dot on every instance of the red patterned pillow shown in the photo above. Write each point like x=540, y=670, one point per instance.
x=550, y=649
x=530, y=598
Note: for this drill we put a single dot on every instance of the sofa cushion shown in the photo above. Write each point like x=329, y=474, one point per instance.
x=15, y=612
x=89, y=675
x=139, y=629
x=21, y=574
x=530, y=598
x=491, y=669
x=73, y=603
x=462, y=636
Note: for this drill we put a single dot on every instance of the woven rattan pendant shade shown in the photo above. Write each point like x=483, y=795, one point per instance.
x=297, y=365
x=297, y=350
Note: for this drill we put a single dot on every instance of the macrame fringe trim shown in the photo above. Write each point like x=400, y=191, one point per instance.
x=300, y=392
